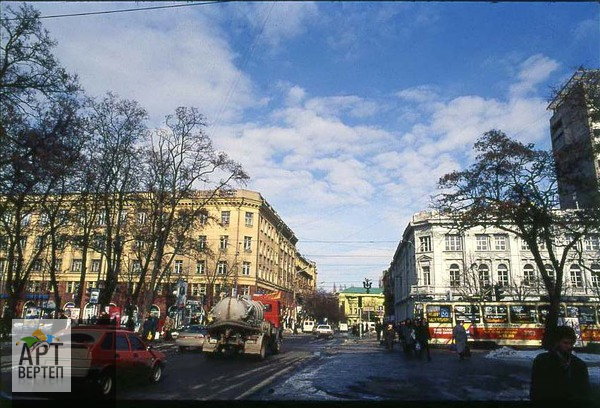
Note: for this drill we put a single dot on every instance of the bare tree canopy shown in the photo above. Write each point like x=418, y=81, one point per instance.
x=512, y=186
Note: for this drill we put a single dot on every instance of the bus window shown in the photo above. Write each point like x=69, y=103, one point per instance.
x=586, y=314
x=467, y=313
x=543, y=312
x=522, y=314
x=438, y=314
x=495, y=314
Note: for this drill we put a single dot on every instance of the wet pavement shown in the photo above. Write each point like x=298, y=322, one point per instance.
x=362, y=370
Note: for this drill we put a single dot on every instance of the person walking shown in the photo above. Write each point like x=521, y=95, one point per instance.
x=168, y=327
x=378, y=329
x=389, y=336
x=422, y=336
x=459, y=337
x=409, y=336
x=149, y=328
x=557, y=374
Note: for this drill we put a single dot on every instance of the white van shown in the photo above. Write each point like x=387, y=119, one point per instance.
x=308, y=326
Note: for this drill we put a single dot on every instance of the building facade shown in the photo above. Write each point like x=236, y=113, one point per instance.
x=240, y=245
x=575, y=133
x=434, y=261
x=360, y=306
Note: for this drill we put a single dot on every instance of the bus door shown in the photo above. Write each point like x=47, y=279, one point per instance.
x=524, y=325
x=588, y=323
x=471, y=316
x=439, y=318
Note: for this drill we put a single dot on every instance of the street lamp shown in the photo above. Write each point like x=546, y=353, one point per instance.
x=367, y=285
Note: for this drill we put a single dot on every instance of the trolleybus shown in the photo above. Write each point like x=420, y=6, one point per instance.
x=508, y=323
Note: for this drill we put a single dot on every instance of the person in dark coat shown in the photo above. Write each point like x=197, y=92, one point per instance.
x=389, y=335
x=557, y=374
x=422, y=338
x=378, y=329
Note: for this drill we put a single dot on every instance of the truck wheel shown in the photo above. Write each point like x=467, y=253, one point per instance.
x=263, y=351
x=276, y=346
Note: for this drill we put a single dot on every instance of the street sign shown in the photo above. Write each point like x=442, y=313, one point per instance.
x=369, y=309
x=94, y=295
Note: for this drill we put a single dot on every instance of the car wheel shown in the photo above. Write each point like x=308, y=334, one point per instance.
x=276, y=346
x=106, y=384
x=156, y=373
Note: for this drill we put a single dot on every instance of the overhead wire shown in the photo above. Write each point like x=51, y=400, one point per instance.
x=91, y=13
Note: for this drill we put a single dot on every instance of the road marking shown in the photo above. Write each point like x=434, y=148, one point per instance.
x=263, y=383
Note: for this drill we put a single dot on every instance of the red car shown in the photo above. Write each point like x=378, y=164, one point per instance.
x=103, y=354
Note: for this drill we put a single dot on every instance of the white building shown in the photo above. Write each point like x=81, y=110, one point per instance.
x=434, y=261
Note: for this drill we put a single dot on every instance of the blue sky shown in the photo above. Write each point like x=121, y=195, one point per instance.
x=345, y=114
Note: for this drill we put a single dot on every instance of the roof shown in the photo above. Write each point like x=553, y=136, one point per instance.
x=363, y=291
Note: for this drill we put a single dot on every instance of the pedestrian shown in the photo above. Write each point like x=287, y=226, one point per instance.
x=168, y=327
x=148, y=328
x=422, y=337
x=389, y=336
x=378, y=329
x=557, y=374
x=459, y=337
x=411, y=338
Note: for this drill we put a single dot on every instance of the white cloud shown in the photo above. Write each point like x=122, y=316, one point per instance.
x=533, y=70
x=587, y=30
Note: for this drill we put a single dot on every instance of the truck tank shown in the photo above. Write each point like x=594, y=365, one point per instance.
x=238, y=309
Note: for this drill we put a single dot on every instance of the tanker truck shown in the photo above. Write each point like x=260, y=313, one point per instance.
x=245, y=326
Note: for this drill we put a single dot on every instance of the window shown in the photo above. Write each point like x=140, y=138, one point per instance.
x=425, y=244
x=71, y=288
x=178, y=268
x=454, y=276
x=202, y=288
x=101, y=219
x=95, y=265
x=202, y=242
x=502, y=275
x=39, y=243
x=524, y=245
x=528, y=275
x=595, y=275
x=592, y=243
x=426, y=276
x=248, y=244
x=44, y=219
x=59, y=265
x=550, y=271
x=522, y=314
x=468, y=313
x=76, y=265
x=482, y=242
x=246, y=268
x=37, y=265
x=23, y=242
x=484, y=275
x=203, y=218
x=495, y=314
x=141, y=218
x=453, y=242
x=500, y=242
x=244, y=290
x=576, y=279
x=136, y=267
x=200, y=267
x=222, y=267
x=223, y=241
x=249, y=219
x=225, y=215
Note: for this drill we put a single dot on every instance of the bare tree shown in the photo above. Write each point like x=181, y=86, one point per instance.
x=117, y=127
x=512, y=186
x=180, y=157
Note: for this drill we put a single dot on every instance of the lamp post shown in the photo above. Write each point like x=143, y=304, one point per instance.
x=367, y=285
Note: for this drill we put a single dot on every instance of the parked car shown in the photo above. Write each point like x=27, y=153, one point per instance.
x=324, y=330
x=191, y=336
x=101, y=355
